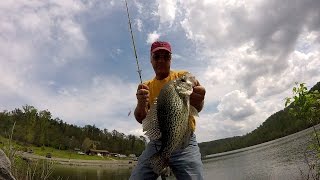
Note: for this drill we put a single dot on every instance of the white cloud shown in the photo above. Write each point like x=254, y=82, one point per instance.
x=254, y=49
x=260, y=47
x=43, y=28
x=216, y=126
x=41, y=43
x=139, y=6
x=167, y=11
x=105, y=102
x=236, y=106
x=103, y=99
x=138, y=23
x=152, y=37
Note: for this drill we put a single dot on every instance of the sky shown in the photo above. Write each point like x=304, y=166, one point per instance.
x=75, y=57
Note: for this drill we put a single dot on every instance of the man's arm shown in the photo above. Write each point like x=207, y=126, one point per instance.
x=197, y=96
x=141, y=109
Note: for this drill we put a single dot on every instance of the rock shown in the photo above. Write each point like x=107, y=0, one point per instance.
x=5, y=167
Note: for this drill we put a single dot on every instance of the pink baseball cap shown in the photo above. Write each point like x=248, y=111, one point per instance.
x=160, y=45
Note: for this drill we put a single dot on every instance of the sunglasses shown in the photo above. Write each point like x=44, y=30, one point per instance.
x=163, y=56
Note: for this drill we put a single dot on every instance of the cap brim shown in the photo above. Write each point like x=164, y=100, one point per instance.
x=158, y=48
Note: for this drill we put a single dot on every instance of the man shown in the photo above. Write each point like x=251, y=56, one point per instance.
x=185, y=163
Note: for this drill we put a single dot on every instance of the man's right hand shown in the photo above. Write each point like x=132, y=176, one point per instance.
x=142, y=96
x=143, y=100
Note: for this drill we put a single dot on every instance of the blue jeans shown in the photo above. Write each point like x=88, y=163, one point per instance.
x=184, y=163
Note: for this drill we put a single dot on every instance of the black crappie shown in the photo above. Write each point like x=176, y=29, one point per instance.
x=168, y=120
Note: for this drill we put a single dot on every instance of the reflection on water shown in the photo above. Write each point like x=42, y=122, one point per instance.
x=280, y=159
x=90, y=173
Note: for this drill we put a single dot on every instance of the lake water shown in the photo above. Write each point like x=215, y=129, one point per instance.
x=281, y=159
x=90, y=173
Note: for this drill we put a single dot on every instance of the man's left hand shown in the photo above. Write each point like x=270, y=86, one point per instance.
x=197, y=97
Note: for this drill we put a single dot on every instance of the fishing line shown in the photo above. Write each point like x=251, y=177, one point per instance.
x=134, y=47
x=163, y=177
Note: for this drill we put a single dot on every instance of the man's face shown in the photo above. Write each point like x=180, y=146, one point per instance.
x=161, y=61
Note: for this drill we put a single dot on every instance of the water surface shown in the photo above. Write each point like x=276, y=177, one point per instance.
x=281, y=159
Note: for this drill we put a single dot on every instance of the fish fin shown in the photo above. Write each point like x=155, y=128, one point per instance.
x=193, y=111
x=150, y=124
x=158, y=163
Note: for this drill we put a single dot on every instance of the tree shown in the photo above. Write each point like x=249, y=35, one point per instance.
x=86, y=145
x=40, y=129
x=31, y=114
x=305, y=105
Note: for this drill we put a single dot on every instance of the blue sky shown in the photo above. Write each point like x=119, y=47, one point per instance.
x=75, y=58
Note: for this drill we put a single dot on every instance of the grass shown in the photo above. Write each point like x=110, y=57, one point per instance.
x=21, y=168
x=55, y=153
x=66, y=154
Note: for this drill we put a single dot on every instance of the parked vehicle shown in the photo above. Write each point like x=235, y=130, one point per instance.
x=81, y=153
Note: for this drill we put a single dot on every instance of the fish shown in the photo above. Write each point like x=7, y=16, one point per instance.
x=168, y=120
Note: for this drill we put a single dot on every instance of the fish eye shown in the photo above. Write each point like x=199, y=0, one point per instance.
x=183, y=80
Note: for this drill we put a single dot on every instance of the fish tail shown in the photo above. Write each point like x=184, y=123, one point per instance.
x=159, y=163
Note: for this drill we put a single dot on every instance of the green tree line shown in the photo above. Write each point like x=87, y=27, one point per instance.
x=38, y=128
x=279, y=124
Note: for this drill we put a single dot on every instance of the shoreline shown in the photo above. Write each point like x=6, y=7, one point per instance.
x=79, y=162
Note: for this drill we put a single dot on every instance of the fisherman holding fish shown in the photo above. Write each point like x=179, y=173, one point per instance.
x=166, y=106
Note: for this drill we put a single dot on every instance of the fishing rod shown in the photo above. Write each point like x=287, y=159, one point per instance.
x=163, y=177
x=134, y=47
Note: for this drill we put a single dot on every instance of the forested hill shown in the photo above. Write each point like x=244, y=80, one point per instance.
x=38, y=128
x=277, y=125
